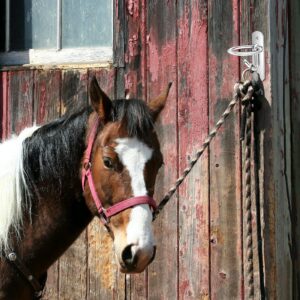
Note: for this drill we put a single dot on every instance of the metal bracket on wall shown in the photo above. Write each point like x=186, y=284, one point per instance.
x=255, y=50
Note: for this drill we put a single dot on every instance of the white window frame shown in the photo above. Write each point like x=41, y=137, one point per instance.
x=86, y=55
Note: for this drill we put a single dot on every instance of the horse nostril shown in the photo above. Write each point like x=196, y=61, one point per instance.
x=128, y=257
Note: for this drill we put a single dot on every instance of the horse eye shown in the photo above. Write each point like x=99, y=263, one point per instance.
x=108, y=162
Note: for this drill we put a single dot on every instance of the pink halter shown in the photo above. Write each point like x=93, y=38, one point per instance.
x=105, y=214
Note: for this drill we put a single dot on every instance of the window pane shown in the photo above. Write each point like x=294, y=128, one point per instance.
x=32, y=24
x=86, y=23
x=2, y=25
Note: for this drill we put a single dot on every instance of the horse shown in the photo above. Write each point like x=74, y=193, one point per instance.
x=100, y=161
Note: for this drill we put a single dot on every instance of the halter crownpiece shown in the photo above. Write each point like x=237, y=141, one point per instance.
x=106, y=213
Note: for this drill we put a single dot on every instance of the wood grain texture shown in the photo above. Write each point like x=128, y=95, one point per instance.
x=162, y=68
x=225, y=182
x=20, y=94
x=194, y=273
x=135, y=49
x=47, y=91
x=73, y=264
x=46, y=108
x=294, y=54
x=280, y=121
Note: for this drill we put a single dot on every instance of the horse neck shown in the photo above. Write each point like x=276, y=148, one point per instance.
x=52, y=160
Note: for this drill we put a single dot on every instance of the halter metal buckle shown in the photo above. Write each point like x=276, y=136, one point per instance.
x=103, y=217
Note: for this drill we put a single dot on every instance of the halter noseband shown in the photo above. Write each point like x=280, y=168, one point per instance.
x=105, y=214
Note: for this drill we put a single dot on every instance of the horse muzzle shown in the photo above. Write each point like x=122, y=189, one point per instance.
x=135, y=260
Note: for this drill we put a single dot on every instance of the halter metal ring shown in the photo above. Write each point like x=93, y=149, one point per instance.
x=253, y=49
x=87, y=165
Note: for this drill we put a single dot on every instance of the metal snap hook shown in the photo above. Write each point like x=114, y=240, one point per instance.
x=252, y=50
x=248, y=70
x=256, y=51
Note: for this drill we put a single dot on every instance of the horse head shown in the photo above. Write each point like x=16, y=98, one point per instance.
x=124, y=160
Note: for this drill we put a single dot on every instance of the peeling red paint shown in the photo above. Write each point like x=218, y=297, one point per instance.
x=130, y=84
x=160, y=57
x=133, y=45
x=116, y=9
x=193, y=127
x=133, y=8
x=184, y=285
x=24, y=87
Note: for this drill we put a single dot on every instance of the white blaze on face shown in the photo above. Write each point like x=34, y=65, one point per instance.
x=134, y=155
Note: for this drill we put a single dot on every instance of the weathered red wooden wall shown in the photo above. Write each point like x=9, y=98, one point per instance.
x=201, y=253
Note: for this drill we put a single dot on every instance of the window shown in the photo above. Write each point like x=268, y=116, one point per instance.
x=55, y=31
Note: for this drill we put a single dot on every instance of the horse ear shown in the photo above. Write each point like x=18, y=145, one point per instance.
x=100, y=101
x=157, y=104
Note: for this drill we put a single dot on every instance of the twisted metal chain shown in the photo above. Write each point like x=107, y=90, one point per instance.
x=238, y=88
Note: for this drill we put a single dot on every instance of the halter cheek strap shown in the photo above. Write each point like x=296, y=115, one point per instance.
x=105, y=214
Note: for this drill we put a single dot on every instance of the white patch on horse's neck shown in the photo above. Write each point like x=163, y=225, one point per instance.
x=134, y=155
x=11, y=182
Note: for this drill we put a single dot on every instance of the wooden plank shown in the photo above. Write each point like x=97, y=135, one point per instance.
x=135, y=49
x=162, y=68
x=294, y=52
x=135, y=87
x=119, y=47
x=20, y=95
x=47, y=85
x=73, y=264
x=47, y=108
x=279, y=95
x=194, y=273
x=4, y=104
x=225, y=185
x=104, y=278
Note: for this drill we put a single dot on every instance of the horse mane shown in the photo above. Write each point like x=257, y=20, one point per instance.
x=12, y=181
x=54, y=152
x=30, y=160
x=51, y=153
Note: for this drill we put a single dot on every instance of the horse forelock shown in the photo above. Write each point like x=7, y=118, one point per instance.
x=135, y=115
x=12, y=187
